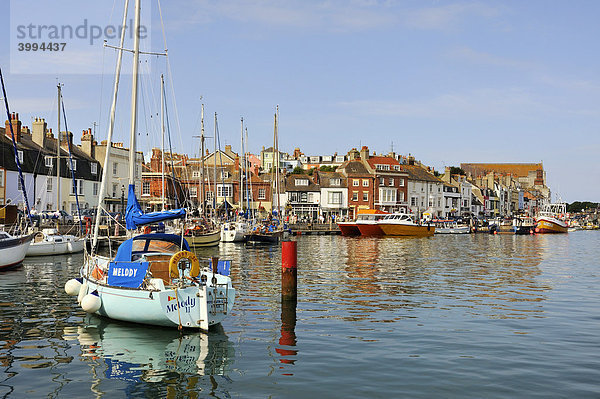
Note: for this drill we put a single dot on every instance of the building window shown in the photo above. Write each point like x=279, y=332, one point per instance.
x=224, y=174
x=49, y=184
x=334, y=197
x=195, y=174
x=20, y=155
x=224, y=191
x=262, y=194
x=382, y=181
x=1, y=177
x=356, y=182
x=146, y=188
x=413, y=201
x=115, y=168
x=301, y=182
x=339, y=158
x=114, y=190
x=387, y=195
x=210, y=195
x=365, y=182
x=354, y=195
x=48, y=161
x=193, y=192
x=396, y=167
x=391, y=181
x=310, y=198
x=72, y=165
x=401, y=196
x=75, y=185
x=365, y=196
x=335, y=182
x=401, y=182
x=95, y=189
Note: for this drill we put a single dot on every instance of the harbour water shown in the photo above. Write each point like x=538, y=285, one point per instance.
x=445, y=316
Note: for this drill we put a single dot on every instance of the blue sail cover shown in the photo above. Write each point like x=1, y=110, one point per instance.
x=134, y=217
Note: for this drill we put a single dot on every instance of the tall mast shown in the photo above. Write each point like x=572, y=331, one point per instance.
x=113, y=109
x=273, y=167
x=203, y=202
x=277, y=171
x=241, y=190
x=215, y=173
x=162, y=126
x=58, y=153
x=134, y=92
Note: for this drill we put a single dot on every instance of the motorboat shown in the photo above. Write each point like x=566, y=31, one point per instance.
x=524, y=225
x=13, y=249
x=234, y=231
x=50, y=242
x=450, y=227
x=403, y=224
x=367, y=219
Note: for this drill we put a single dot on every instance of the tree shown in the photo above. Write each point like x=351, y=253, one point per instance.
x=326, y=168
x=454, y=170
x=298, y=171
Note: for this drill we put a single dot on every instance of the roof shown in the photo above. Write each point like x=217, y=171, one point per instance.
x=515, y=169
x=416, y=172
x=354, y=167
x=380, y=160
x=325, y=179
x=290, y=183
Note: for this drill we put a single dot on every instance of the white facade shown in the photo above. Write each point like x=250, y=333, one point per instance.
x=426, y=196
x=334, y=199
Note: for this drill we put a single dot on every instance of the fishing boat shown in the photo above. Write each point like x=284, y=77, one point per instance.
x=153, y=279
x=368, y=223
x=552, y=219
x=265, y=234
x=13, y=249
x=403, y=224
x=450, y=227
x=523, y=225
x=202, y=235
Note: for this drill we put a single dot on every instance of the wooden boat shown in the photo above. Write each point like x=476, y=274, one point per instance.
x=524, y=225
x=264, y=237
x=552, y=219
x=48, y=242
x=13, y=249
x=365, y=219
x=403, y=224
x=203, y=239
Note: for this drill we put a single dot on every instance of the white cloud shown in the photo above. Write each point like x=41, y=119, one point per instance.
x=448, y=17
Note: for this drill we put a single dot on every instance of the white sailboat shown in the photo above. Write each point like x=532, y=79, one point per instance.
x=49, y=241
x=154, y=278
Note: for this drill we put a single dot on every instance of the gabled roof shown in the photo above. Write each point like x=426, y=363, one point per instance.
x=355, y=167
x=325, y=179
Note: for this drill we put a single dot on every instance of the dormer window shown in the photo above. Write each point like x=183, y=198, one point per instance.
x=48, y=161
x=301, y=182
x=94, y=168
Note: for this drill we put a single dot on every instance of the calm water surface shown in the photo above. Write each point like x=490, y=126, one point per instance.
x=446, y=316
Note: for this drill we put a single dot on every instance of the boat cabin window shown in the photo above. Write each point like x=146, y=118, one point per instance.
x=154, y=246
x=3, y=236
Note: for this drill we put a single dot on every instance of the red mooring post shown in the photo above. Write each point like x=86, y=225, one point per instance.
x=289, y=270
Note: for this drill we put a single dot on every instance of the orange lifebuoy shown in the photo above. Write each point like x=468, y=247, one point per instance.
x=173, y=263
x=97, y=273
x=147, y=230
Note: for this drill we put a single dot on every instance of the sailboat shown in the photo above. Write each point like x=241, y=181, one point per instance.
x=270, y=231
x=153, y=279
x=50, y=241
x=235, y=231
x=14, y=247
x=203, y=233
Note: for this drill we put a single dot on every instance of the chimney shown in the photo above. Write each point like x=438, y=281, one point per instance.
x=237, y=163
x=87, y=142
x=39, y=132
x=227, y=149
x=411, y=160
x=16, y=125
x=353, y=154
x=64, y=136
x=364, y=153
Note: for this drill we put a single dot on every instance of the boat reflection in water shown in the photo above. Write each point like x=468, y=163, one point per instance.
x=134, y=353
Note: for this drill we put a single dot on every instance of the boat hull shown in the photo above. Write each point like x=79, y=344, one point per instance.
x=369, y=229
x=48, y=248
x=266, y=238
x=13, y=251
x=204, y=240
x=407, y=230
x=168, y=307
x=550, y=225
x=349, y=229
x=453, y=230
x=233, y=233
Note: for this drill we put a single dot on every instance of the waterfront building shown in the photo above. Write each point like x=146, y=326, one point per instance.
x=302, y=196
x=391, y=182
x=361, y=183
x=334, y=194
x=425, y=191
x=37, y=150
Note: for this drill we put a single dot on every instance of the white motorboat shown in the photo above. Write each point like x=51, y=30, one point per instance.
x=234, y=231
x=13, y=249
x=450, y=227
x=49, y=242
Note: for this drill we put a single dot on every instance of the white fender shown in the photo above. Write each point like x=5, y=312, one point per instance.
x=73, y=286
x=82, y=292
x=91, y=302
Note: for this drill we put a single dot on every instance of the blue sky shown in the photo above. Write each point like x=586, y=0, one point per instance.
x=447, y=81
